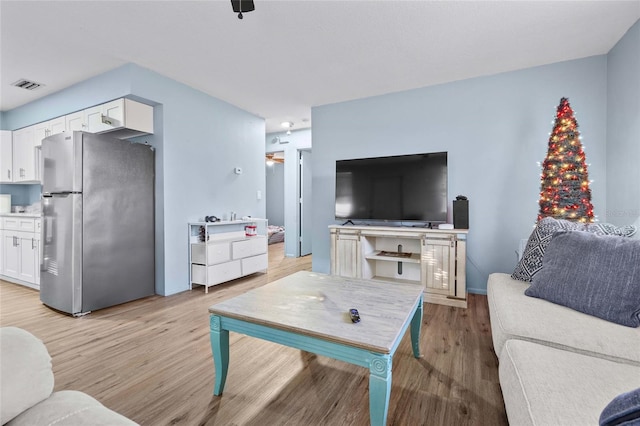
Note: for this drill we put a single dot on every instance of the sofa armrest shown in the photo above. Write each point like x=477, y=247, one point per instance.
x=25, y=368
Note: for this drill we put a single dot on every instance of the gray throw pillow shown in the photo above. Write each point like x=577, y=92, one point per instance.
x=531, y=261
x=624, y=410
x=594, y=274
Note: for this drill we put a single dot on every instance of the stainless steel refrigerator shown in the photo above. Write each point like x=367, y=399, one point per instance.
x=97, y=222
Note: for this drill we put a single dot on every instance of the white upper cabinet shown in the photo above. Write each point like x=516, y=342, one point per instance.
x=20, y=159
x=48, y=128
x=6, y=156
x=75, y=121
x=122, y=118
x=24, y=155
x=105, y=117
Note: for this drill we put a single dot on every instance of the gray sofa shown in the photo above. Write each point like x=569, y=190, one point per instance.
x=557, y=366
x=26, y=388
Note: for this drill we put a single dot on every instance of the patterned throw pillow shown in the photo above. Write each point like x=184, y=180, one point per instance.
x=609, y=229
x=531, y=261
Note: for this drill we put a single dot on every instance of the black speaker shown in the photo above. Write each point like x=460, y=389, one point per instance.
x=461, y=214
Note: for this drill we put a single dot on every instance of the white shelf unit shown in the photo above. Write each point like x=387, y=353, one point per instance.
x=227, y=252
x=436, y=259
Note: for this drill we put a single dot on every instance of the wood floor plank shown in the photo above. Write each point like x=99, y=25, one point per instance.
x=151, y=361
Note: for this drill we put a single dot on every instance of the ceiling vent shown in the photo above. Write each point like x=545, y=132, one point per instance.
x=26, y=84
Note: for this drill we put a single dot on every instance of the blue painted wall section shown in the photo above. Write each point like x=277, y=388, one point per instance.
x=623, y=128
x=495, y=130
x=198, y=140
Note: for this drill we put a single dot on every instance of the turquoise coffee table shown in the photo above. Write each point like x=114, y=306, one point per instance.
x=310, y=311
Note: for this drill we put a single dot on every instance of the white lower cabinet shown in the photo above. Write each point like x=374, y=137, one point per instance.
x=221, y=251
x=20, y=250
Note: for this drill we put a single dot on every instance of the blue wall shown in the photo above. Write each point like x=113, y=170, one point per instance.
x=623, y=128
x=198, y=140
x=274, y=196
x=495, y=130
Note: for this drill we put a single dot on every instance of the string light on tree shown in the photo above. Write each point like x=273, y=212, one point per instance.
x=564, y=182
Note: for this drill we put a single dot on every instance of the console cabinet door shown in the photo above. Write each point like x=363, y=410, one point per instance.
x=438, y=263
x=346, y=256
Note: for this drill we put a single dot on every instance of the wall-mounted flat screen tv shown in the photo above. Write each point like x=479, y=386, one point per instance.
x=398, y=188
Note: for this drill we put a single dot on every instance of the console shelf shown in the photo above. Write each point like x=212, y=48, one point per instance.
x=437, y=261
x=378, y=255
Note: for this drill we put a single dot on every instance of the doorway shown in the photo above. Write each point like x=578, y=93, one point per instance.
x=304, y=202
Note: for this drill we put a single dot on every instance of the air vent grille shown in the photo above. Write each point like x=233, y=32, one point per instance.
x=27, y=84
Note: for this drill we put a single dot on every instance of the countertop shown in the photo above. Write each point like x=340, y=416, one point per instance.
x=33, y=215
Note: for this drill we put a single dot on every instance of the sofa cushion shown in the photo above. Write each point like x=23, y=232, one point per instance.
x=547, y=386
x=25, y=369
x=597, y=275
x=531, y=261
x=623, y=410
x=70, y=408
x=516, y=316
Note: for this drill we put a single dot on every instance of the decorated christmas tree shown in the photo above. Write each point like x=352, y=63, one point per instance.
x=564, y=188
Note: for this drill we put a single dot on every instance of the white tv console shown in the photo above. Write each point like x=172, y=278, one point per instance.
x=437, y=259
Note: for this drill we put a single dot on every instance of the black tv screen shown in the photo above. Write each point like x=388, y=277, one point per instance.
x=399, y=188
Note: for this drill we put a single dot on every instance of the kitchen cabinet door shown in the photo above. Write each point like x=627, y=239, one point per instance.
x=6, y=156
x=1, y=249
x=105, y=117
x=48, y=128
x=10, y=254
x=24, y=155
x=28, y=261
x=76, y=121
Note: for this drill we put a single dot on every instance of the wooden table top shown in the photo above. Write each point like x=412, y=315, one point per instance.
x=318, y=305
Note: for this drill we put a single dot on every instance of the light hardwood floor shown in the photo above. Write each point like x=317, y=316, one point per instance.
x=150, y=360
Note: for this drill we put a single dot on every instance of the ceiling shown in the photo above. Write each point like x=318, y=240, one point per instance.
x=288, y=56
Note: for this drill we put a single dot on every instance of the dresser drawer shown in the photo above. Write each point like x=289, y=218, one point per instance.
x=211, y=253
x=250, y=247
x=216, y=273
x=254, y=264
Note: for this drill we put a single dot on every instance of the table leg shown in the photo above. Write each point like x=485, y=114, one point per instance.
x=379, y=389
x=416, y=324
x=220, y=351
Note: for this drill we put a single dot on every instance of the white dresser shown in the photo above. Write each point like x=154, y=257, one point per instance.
x=221, y=251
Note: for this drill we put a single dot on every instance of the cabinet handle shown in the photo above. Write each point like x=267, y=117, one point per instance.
x=21, y=172
x=106, y=120
x=33, y=244
x=9, y=174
